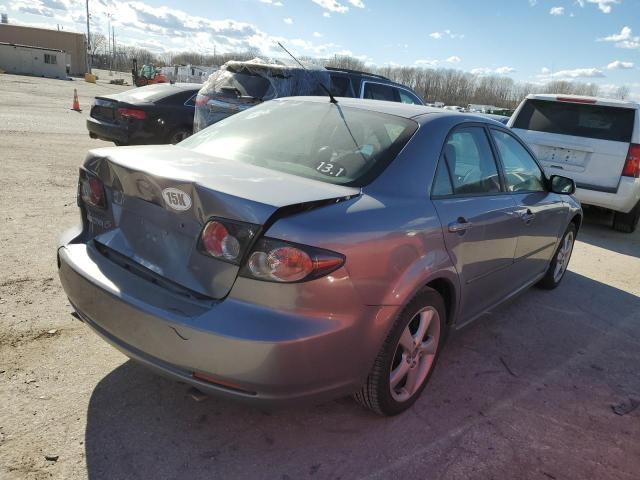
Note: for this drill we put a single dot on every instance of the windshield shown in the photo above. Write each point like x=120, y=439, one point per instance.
x=323, y=141
x=578, y=120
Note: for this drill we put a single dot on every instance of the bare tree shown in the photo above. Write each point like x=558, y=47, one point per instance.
x=623, y=92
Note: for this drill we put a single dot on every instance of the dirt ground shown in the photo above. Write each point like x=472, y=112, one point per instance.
x=526, y=392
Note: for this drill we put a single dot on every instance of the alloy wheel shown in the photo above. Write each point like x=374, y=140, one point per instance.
x=564, y=254
x=414, y=355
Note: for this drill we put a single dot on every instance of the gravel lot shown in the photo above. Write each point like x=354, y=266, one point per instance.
x=526, y=392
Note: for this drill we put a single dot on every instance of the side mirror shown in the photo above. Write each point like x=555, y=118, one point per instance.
x=562, y=185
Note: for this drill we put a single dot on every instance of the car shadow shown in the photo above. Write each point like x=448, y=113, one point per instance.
x=596, y=230
x=525, y=389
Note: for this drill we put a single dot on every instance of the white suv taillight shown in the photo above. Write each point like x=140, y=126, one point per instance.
x=632, y=164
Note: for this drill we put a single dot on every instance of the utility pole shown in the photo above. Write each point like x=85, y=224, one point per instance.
x=88, y=41
x=113, y=37
x=109, y=15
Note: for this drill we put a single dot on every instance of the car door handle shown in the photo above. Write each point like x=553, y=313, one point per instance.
x=527, y=216
x=460, y=225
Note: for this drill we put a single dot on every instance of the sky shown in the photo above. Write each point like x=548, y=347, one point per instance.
x=528, y=40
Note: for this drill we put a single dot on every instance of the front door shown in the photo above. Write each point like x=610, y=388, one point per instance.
x=479, y=219
x=541, y=212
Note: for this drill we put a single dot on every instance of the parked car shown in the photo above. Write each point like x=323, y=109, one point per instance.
x=307, y=250
x=595, y=141
x=153, y=114
x=241, y=85
x=498, y=118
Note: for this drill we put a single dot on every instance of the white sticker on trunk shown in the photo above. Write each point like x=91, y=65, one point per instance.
x=176, y=199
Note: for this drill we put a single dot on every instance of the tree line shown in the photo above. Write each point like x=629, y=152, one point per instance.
x=447, y=85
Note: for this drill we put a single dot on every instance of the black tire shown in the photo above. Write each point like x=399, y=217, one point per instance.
x=376, y=394
x=627, y=222
x=550, y=279
x=178, y=135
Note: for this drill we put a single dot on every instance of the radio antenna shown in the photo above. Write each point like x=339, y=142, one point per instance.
x=322, y=85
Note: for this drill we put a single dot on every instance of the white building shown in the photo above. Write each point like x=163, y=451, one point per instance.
x=38, y=61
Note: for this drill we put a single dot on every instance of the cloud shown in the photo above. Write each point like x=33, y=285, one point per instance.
x=533, y=3
x=603, y=5
x=454, y=59
x=624, y=39
x=546, y=74
x=426, y=63
x=357, y=3
x=445, y=34
x=272, y=3
x=288, y=21
x=556, y=11
x=317, y=34
x=618, y=65
x=332, y=5
x=484, y=71
x=326, y=15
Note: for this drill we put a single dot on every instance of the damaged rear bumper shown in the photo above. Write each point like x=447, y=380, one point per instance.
x=235, y=348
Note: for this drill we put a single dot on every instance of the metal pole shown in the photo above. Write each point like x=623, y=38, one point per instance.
x=88, y=41
x=110, y=54
x=113, y=37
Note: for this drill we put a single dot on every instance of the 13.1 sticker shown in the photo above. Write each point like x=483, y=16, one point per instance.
x=331, y=169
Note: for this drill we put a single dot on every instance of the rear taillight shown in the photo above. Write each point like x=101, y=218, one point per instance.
x=226, y=240
x=632, y=163
x=279, y=261
x=92, y=190
x=201, y=100
x=132, y=113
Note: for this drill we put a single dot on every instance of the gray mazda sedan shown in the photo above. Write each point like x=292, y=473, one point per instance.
x=307, y=249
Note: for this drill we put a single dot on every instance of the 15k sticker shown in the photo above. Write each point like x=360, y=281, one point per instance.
x=176, y=199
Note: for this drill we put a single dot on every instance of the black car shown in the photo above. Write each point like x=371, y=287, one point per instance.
x=241, y=85
x=160, y=113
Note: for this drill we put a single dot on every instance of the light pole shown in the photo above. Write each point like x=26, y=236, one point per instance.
x=88, y=40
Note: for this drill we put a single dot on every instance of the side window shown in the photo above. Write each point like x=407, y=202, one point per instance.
x=521, y=172
x=377, y=91
x=442, y=181
x=341, y=86
x=406, y=97
x=471, y=164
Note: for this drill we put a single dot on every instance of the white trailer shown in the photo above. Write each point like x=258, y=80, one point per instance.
x=28, y=60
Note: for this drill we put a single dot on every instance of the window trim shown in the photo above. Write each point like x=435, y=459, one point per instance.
x=545, y=180
x=503, y=185
x=390, y=85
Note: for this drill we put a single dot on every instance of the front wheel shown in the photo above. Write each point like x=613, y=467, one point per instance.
x=560, y=261
x=408, y=356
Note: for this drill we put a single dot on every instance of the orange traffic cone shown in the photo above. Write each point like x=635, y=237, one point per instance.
x=76, y=103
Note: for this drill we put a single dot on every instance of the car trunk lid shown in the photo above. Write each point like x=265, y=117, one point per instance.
x=160, y=197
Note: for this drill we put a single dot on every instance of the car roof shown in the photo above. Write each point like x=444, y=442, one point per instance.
x=609, y=102
x=418, y=113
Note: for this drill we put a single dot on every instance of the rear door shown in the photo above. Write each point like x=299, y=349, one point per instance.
x=583, y=141
x=542, y=213
x=479, y=219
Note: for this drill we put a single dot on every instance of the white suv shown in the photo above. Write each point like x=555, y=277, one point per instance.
x=595, y=141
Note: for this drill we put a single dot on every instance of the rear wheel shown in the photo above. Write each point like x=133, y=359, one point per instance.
x=408, y=356
x=560, y=261
x=178, y=135
x=627, y=222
